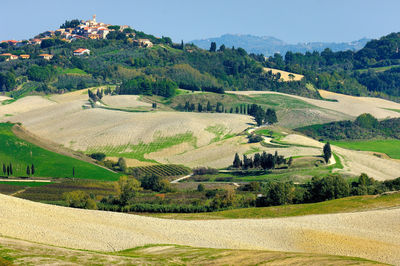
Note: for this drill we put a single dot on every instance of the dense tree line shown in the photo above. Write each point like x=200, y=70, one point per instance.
x=146, y=86
x=321, y=189
x=364, y=127
x=263, y=161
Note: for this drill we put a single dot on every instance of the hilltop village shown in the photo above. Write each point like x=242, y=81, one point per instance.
x=71, y=31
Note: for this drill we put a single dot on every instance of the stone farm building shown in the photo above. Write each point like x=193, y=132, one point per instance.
x=82, y=51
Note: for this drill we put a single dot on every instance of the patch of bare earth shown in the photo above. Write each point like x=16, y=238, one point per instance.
x=285, y=76
x=348, y=105
x=123, y=101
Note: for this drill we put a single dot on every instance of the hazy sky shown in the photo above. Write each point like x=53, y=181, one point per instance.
x=289, y=20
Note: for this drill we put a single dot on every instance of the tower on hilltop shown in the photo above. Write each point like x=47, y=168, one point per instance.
x=94, y=18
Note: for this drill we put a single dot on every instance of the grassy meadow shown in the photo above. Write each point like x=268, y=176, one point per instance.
x=21, y=153
x=348, y=204
x=390, y=147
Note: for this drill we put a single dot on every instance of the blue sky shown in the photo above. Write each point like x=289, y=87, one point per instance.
x=290, y=20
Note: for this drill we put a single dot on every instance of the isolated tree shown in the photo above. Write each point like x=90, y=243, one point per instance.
x=28, y=171
x=11, y=169
x=237, y=109
x=200, y=108
x=200, y=188
x=213, y=47
x=231, y=110
x=154, y=105
x=73, y=171
x=327, y=152
x=4, y=169
x=8, y=170
x=222, y=48
x=127, y=189
x=237, y=163
x=32, y=169
x=122, y=164
x=291, y=76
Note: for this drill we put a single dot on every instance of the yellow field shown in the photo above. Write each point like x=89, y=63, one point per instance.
x=284, y=74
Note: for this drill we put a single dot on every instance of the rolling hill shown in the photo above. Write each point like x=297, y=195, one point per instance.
x=20, y=154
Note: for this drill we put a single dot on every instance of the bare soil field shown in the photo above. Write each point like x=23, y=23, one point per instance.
x=3, y=98
x=284, y=74
x=80, y=129
x=346, y=234
x=348, y=105
x=123, y=101
x=24, y=105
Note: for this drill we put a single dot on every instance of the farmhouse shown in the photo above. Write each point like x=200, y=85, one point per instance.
x=9, y=56
x=46, y=56
x=144, y=43
x=24, y=56
x=81, y=51
x=11, y=42
x=36, y=41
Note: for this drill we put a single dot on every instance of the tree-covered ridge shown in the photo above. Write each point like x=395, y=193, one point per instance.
x=364, y=127
x=119, y=59
x=369, y=71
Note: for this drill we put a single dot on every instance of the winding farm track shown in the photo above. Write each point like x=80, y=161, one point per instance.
x=373, y=234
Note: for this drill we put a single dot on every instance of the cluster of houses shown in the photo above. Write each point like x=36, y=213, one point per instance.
x=89, y=29
x=9, y=56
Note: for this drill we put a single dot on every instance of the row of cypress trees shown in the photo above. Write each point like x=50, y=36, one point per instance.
x=8, y=169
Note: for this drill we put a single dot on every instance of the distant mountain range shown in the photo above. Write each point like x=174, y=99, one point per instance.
x=270, y=45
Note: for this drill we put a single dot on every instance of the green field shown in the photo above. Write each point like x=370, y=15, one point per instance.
x=16, y=252
x=21, y=153
x=25, y=184
x=390, y=147
x=137, y=151
x=296, y=173
x=348, y=204
x=72, y=71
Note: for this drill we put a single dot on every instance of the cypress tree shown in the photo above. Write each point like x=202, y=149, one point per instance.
x=8, y=170
x=231, y=110
x=327, y=152
x=28, y=171
x=32, y=169
x=11, y=169
x=73, y=171
x=4, y=169
x=237, y=109
x=199, y=108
